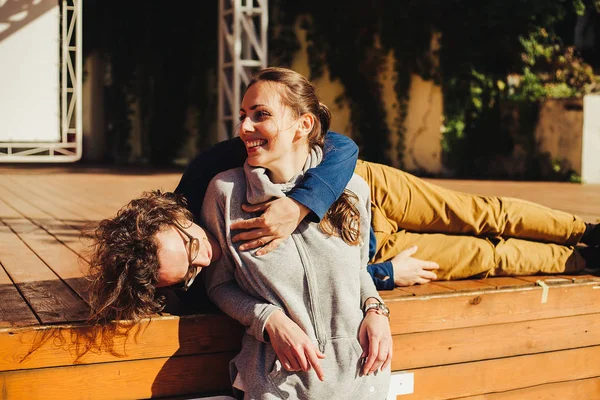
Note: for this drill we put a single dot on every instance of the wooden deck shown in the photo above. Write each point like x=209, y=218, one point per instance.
x=499, y=338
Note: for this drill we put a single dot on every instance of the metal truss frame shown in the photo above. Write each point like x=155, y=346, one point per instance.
x=68, y=149
x=242, y=51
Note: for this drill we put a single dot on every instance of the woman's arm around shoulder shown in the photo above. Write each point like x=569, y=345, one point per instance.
x=321, y=186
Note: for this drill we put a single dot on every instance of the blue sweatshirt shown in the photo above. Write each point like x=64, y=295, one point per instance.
x=319, y=189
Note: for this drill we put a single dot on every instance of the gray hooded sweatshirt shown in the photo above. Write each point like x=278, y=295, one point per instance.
x=319, y=281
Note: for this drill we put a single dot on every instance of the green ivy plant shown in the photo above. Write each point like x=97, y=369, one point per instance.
x=525, y=62
x=552, y=70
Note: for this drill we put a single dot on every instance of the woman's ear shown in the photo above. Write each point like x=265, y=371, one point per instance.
x=306, y=124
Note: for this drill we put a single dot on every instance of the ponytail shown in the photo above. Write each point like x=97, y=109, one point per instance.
x=324, y=116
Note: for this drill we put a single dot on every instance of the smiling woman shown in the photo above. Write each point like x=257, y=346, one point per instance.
x=269, y=130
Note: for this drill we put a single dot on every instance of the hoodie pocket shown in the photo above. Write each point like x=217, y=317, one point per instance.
x=341, y=367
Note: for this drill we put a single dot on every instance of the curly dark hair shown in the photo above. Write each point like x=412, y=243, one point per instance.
x=124, y=262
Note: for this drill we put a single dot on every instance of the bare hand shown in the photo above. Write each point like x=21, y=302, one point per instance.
x=410, y=271
x=375, y=338
x=279, y=219
x=292, y=346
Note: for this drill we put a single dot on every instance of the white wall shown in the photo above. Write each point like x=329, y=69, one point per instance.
x=29, y=71
x=590, y=171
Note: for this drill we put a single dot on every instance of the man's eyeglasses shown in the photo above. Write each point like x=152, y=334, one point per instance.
x=193, y=248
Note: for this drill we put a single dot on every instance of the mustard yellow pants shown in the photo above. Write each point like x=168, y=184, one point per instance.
x=468, y=235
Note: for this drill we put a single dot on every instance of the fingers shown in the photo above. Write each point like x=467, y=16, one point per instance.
x=267, y=231
x=430, y=265
x=252, y=223
x=371, y=357
x=408, y=252
x=303, y=359
x=313, y=356
x=380, y=355
x=293, y=359
x=256, y=207
x=428, y=275
x=411, y=250
x=286, y=364
x=388, y=360
x=364, y=344
x=269, y=247
x=381, y=358
x=250, y=235
x=254, y=244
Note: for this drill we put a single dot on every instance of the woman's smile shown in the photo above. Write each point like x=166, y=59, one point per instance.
x=254, y=145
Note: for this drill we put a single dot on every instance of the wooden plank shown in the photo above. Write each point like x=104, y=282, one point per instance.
x=50, y=298
x=456, y=286
x=138, y=379
x=44, y=201
x=69, y=233
x=394, y=294
x=62, y=260
x=547, y=279
x=491, y=307
x=14, y=311
x=22, y=206
x=570, y=390
x=162, y=336
x=453, y=346
x=500, y=375
x=7, y=212
x=41, y=192
x=427, y=289
x=68, y=198
x=582, y=278
x=109, y=190
x=465, y=285
x=19, y=261
x=53, y=301
x=506, y=282
x=106, y=193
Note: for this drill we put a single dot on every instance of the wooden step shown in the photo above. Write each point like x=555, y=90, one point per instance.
x=570, y=390
x=504, y=374
x=450, y=310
